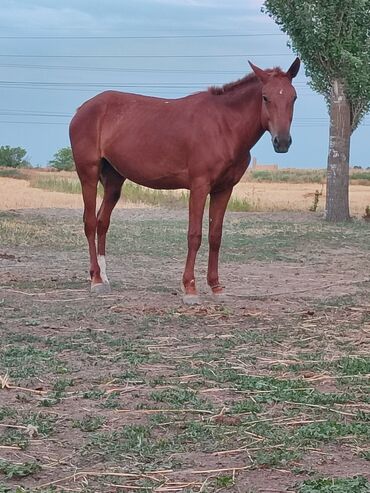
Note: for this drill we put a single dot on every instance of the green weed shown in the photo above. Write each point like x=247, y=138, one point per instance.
x=335, y=485
x=14, y=470
x=89, y=423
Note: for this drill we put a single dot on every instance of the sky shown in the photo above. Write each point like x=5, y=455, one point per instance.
x=54, y=55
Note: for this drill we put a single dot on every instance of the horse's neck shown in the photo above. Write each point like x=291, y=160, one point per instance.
x=246, y=104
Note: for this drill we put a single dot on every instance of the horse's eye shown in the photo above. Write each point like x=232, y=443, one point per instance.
x=265, y=98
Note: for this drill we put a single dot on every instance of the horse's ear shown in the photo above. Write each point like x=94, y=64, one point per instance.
x=294, y=68
x=261, y=74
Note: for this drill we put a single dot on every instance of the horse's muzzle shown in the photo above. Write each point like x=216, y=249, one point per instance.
x=281, y=144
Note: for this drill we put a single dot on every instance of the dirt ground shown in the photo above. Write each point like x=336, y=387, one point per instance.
x=132, y=391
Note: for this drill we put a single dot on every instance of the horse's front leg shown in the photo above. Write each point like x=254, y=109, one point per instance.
x=197, y=201
x=217, y=208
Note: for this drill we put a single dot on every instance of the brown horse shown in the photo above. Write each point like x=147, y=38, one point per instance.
x=200, y=142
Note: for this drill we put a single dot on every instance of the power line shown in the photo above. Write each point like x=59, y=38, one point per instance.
x=121, y=69
x=134, y=89
x=243, y=55
x=113, y=84
x=32, y=123
x=165, y=36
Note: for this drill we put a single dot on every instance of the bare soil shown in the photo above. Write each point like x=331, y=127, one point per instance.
x=298, y=313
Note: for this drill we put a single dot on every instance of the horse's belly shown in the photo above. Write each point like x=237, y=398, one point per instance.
x=162, y=183
x=152, y=175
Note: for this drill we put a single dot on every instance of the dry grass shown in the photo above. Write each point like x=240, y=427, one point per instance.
x=18, y=194
x=296, y=196
x=261, y=196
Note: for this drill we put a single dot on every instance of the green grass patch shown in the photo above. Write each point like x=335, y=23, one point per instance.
x=180, y=398
x=89, y=423
x=331, y=430
x=292, y=175
x=335, y=485
x=354, y=366
x=288, y=176
x=14, y=438
x=15, y=470
x=27, y=361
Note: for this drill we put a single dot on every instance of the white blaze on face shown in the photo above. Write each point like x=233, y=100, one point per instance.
x=103, y=268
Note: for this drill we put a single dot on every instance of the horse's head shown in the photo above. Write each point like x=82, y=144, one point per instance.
x=278, y=97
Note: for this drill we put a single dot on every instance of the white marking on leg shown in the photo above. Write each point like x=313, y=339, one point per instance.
x=103, y=268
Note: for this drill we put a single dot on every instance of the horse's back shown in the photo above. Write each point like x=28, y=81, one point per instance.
x=146, y=139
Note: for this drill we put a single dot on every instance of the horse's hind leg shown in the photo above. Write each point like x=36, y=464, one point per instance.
x=217, y=208
x=112, y=183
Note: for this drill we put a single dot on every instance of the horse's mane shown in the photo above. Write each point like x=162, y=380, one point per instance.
x=244, y=81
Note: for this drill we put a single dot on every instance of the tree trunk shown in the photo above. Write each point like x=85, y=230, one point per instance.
x=337, y=185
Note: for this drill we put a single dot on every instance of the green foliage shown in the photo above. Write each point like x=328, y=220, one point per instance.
x=14, y=438
x=14, y=470
x=333, y=39
x=63, y=160
x=335, y=485
x=354, y=366
x=7, y=412
x=288, y=176
x=89, y=423
x=13, y=157
x=331, y=430
x=224, y=481
x=44, y=423
x=179, y=398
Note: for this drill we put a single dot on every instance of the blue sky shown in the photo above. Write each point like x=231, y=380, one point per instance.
x=56, y=54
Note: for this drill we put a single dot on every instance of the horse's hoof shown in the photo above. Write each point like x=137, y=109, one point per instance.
x=191, y=299
x=220, y=297
x=100, y=289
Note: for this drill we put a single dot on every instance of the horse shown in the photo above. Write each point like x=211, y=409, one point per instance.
x=200, y=142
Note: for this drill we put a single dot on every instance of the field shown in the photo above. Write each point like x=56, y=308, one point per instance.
x=134, y=392
x=259, y=191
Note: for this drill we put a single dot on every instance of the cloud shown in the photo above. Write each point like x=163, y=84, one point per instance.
x=36, y=17
x=49, y=15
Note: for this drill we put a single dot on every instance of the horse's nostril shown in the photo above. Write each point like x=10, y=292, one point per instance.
x=276, y=141
x=290, y=140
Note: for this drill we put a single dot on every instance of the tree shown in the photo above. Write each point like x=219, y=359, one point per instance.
x=13, y=157
x=63, y=160
x=333, y=39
